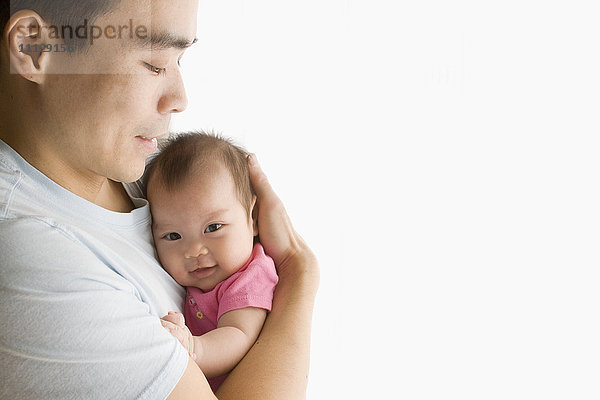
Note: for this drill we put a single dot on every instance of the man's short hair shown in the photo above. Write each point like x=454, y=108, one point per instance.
x=60, y=13
x=188, y=154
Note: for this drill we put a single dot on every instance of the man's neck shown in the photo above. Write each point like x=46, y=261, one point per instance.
x=113, y=197
x=101, y=191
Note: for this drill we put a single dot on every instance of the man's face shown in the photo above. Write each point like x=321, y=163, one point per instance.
x=105, y=118
x=202, y=232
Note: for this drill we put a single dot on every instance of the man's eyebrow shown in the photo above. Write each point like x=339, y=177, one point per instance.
x=165, y=40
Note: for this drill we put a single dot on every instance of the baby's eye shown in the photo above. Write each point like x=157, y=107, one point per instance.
x=172, y=236
x=212, y=228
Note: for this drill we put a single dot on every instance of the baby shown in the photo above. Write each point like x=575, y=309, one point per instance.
x=201, y=200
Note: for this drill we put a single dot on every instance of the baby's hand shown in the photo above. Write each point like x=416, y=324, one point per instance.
x=175, y=324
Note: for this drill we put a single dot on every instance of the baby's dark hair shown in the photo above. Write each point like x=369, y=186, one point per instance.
x=182, y=156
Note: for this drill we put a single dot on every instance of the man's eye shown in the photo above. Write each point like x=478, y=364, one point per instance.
x=212, y=228
x=172, y=236
x=154, y=69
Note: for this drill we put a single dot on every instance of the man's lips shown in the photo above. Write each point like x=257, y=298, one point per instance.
x=150, y=137
x=148, y=144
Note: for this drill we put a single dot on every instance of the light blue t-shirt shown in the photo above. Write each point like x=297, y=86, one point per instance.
x=81, y=292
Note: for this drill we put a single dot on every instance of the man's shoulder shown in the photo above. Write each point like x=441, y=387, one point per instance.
x=38, y=246
x=28, y=228
x=9, y=180
x=84, y=319
x=23, y=191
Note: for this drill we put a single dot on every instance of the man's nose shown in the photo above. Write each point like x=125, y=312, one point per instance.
x=174, y=98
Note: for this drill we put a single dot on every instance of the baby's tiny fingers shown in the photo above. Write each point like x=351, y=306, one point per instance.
x=170, y=319
x=171, y=327
x=178, y=317
x=175, y=318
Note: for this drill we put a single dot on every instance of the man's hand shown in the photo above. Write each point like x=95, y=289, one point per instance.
x=291, y=254
x=174, y=322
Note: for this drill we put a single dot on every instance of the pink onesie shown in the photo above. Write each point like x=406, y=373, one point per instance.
x=251, y=286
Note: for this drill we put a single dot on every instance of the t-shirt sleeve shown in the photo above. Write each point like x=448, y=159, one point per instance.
x=72, y=328
x=252, y=287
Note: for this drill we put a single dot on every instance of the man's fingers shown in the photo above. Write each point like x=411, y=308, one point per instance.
x=259, y=180
x=275, y=229
x=267, y=200
x=274, y=226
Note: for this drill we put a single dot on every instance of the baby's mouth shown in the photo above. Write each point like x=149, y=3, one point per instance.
x=203, y=272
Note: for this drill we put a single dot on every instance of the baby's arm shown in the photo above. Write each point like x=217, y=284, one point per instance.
x=217, y=352
x=220, y=350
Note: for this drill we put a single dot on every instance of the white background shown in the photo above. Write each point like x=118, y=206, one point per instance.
x=442, y=160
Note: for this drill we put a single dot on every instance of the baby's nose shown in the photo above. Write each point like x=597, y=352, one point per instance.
x=196, y=250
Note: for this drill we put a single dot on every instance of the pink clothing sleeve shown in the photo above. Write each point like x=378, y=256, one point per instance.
x=251, y=287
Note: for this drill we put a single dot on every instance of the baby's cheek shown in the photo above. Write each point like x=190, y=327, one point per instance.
x=239, y=255
x=168, y=262
x=162, y=255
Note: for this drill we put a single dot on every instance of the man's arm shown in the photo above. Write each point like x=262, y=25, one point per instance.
x=276, y=367
x=192, y=385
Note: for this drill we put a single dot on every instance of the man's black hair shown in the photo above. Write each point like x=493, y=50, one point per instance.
x=60, y=13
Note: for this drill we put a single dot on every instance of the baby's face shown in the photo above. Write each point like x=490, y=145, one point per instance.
x=202, y=232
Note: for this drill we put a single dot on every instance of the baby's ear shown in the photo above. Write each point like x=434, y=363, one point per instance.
x=254, y=216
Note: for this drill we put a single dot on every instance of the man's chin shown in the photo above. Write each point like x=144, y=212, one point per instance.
x=132, y=175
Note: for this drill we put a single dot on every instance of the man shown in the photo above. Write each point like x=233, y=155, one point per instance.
x=80, y=286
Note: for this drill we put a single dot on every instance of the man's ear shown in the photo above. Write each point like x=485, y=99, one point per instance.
x=25, y=39
x=254, y=216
